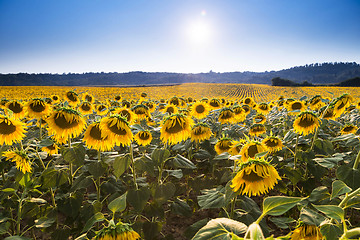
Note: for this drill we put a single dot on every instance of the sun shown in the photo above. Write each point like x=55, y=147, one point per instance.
x=199, y=32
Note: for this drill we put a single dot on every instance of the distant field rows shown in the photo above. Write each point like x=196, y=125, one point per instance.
x=260, y=93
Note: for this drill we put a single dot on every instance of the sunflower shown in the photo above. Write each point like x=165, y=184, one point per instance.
x=223, y=145
x=125, y=104
x=259, y=119
x=273, y=144
x=306, y=232
x=94, y=138
x=151, y=106
x=350, y=108
x=226, y=115
x=257, y=129
x=117, y=98
x=263, y=108
x=315, y=103
x=72, y=98
x=248, y=101
x=3, y=102
x=342, y=103
x=51, y=149
x=141, y=111
x=199, y=110
x=170, y=109
x=349, y=128
x=11, y=130
x=143, y=138
x=200, y=132
x=175, y=128
x=65, y=123
x=17, y=108
x=295, y=107
x=87, y=97
x=214, y=103
x=329, y=113
x=247, y=109
x=255, y=177
x=55, y=98
x=174, y=101
x=305, y=123
x=236, y=147
x=20, y=158
x=116, y=128
x=85, y=108
x=239, y=112
x=101, y=109
x=127, y=114
x=250, y=149
x=120, y=231
x=37, y=108
x=204, y=100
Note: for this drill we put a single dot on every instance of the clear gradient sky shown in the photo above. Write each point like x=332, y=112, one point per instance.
x=188, y=36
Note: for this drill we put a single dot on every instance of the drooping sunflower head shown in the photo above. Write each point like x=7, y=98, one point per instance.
x=199, y=110
x=295, y=107
x=175, y=128
x=349, y=128
x=250, y=149
x=117, y=98
x=143, y=138
x=85, y=108
x=125, y=104
x=143, y=95
x=17, y=108
x=11, y=130
x=315, y=103
x=151, y=106
x=141, y=111
x=117, y=128
x=200, y=132
x=248, y=101
x=37, y=108
x=72, y=98
x=304, y=231
x=94, y=138
x=204, y=100
x=51, y=149
x=87, y=97
x=305, y=123
x=329, y=112
x=259, y=119
x=255, y=177
x=101, y=109
x=20, y=158
x=223, y=145
x=55, y=98
x=236, y=147
x=214, y=103
x=342, y=103
x=174, y=101
x=226, y=115
x=170, y=109
x=273, y=143
x=3, y=102
x=119, y=231
x=246, y=108
x=240, y=114
x=263, y=108
x=65, y=123
x=190, y=100
x=257, y=129
x=127, y=114
x=350, y=108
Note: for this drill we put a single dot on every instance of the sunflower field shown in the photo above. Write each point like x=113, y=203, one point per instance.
x=191, y=161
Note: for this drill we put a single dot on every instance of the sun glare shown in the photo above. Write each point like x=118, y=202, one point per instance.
x=199, y=32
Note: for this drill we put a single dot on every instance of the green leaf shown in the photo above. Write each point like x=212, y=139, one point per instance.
x=331, y=211
x=159, y=156
x=96, y=169
x=339, y=188
x=319, y=194
x=75, y=154
x=353, y=202
x=45, y=143
x=220, y=229
x=138, y=198
x=278, y=205
x=330, y=231
x=121, y=164
x=9, y=190
x=44, y=222
x=311, y=217
x=350, y=176
x=37, y=200
x=194, y=228
x=98, y=217
x=145, y=164
x=118, y=204
x=212, y=198
x=329, y=162
x=53, y=178
x=151, y=230
x=4, y=227
x=25, y=181
x=182, y=162
x=17, y=238
x=261, y=154
x=324, y=147
x=164, y=192
x=293, y=174
x=282, y=222
x=343, y=137
x=180, y=207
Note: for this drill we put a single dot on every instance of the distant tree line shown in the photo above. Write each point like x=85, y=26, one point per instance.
x=286, y=82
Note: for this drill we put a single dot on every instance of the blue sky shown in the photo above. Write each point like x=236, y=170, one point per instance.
x=53, y=36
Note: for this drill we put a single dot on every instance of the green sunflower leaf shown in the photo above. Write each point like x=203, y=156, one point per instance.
x=278, y=205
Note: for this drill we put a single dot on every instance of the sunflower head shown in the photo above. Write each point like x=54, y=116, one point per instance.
x=329, y=113
x=95, y=139
x=117, y=98
x=295, y=107
x=118, y=231
x=127, y=114
x=200, y=132
x=259, y=119
x=304, y=231
x=143, y=138
x=87, y=97
x=11, y=130
x=174, y=101
x=85, y=108
x=55, y=98
x=117, y=128
x=315, y=103
x=349, y=128
x=141, y=111
x=170, y=109
x=305, y=123
x=102, y=109
x=255, y=177
x=199, y=110
x=240, y=114
x=125, y=104
x=248, y=101
x=250, y=149
x=246, y=108
x=151, y=106
x=3, y=102
x=263, y=108
x=223, y=145
x=236, y=147
x=175, y=128
x=257, y=129
x=215, y=103
x=273, y=143
x=226, y=115
x=72, y=98
x=65, y=123
x=51, y=149
x=341, y=103
x=20, y=158
x=37, y=108
x=17, y=108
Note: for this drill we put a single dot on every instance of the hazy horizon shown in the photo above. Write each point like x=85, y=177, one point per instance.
x=175, y=36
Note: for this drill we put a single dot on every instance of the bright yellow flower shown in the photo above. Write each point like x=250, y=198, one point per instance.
x=20, y=158
x=11, y=130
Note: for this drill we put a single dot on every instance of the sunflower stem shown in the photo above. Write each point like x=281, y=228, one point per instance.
x=70, y=164
x=98, y=180
x=133, y=166
x=314, y=139
x=18, y=219
x=357, y=160
x=40, y=130
x=52, y=197
x=3, y=175
x=233, y=207
x=296, y=149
